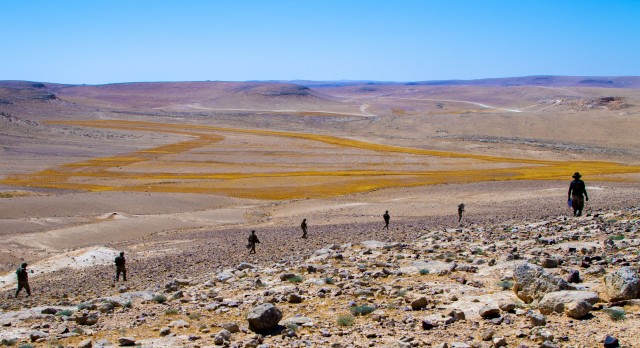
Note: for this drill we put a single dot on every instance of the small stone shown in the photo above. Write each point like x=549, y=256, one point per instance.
x=548, y=344
x=165, y=331
x=487, y=335
x=549, y=262
x=578, y=309
x=499, y=342
x=489, y=312
x=244, y=265
x=419, y=303
x=507, y=306
x=427, y=325
x=126, y=341
x=574, y=276
x=49, y=311
x=457, y=314
x=221, y=337
x=537, y=319
x=295, y=298
x=36, y=335
x=179, y=323
x=611, y=342
x=287, y=276
x=231, y=327
x=86, y=319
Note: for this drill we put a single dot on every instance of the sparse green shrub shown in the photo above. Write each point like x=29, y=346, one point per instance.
x=128, y=304
x=399, y=257
x=424, y=271
x=346, y=320
x=505, y=284
x=194, y=316
x=478, y=251
x=617, y=237
x=171, y=311
x=9, y=342
x=64, y=312
x=362, y=310
x=296, y=279
x=615, y=313
x=78, y=330
x=292, y=327
x=26, y=345
x=160, y=298
x=401, y=293
x=329, y=280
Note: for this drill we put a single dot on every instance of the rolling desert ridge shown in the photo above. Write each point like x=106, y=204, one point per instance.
x=176, y=175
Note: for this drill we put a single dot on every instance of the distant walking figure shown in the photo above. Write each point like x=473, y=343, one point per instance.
x=253, y=239
x=23, y=279
x=121, y=267
x=460, y=211
x=576, y=190
x=303, y=226
x=386, y=217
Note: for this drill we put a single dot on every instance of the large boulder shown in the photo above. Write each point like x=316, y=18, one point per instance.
x=556, y=301
x=622, y=284
x=532, y=282
x=264, y=317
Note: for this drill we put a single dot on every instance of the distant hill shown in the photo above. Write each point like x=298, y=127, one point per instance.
x=220, y=86
x=548, y=81
x=538, y=80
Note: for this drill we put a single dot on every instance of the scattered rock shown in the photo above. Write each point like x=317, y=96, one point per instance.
x=622, y=284
x=36, y=335
x=419, y=303
x=537, y=319
x=489, y=312
x=611, y=342
x=126, y=341
x=578, y=310
x=555, y=301
x=532, y=282
x=264, y=317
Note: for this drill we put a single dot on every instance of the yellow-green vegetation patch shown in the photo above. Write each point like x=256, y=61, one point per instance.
x=217, y=160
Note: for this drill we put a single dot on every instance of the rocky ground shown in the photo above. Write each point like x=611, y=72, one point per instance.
x=552, y=282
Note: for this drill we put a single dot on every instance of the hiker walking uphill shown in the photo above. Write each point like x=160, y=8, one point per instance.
x=460, y=211
x=23, y=279
x=303, y=227
x=253, y=240
x=577, y=189
x=386, y=218
x=121, y=267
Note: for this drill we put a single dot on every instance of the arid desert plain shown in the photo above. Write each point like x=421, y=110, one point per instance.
x=177, y=174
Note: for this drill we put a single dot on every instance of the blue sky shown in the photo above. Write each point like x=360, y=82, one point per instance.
x=102, y=41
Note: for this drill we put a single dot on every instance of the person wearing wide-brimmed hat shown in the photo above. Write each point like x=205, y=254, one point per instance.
x=577, y=190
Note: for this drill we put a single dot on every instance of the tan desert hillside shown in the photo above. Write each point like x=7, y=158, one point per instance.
x=177, y=174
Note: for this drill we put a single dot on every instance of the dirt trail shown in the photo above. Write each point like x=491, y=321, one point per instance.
x=458, y=101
